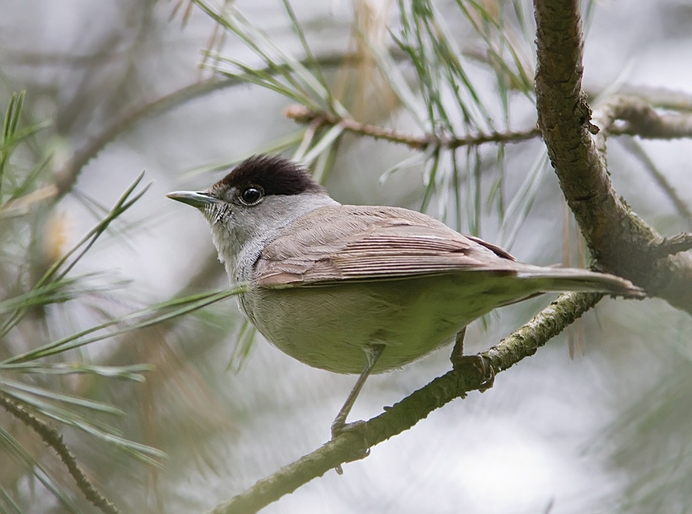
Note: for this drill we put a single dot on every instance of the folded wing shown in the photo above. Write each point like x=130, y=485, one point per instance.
x=372, y=244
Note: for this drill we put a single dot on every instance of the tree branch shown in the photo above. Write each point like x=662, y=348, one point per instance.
x=69, y=174
x=619, y=240
x=633, y=147
x=355, y=443
x=52, y=438
x=660, y=97
x=642, y=120
x=675, y=244
x=302, y=114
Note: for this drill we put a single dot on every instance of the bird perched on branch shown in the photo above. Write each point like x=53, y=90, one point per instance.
x=360, y=289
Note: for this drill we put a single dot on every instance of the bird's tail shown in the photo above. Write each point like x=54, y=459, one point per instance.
x=573, y=279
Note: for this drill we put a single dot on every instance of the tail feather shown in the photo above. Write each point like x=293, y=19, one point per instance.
x=573, y=279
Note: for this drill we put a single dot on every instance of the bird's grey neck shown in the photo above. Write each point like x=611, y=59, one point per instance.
x=277, y=213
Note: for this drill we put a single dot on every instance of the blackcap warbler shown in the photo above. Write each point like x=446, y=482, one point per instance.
x=359, y=289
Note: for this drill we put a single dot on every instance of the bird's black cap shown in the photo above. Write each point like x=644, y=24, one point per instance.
x=275, y=174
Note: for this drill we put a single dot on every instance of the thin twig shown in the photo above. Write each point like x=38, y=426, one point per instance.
x=302, y=114
x=675, y=244
x=663, y=98
x=69, y=174
x=640, y=119
x=636, y=149
x=54, y=439
x=355, y=443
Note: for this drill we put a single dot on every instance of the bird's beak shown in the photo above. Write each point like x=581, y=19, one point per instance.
x=198, y=199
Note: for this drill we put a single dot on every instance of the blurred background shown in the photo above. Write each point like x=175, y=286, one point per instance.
x=116, y=88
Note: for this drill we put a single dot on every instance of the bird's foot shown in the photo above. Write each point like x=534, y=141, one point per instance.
x=358, y=428
x=485, y=370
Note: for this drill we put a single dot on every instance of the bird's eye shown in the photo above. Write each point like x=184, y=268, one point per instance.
x=252, y=195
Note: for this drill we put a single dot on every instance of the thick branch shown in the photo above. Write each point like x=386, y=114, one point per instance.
x=619, y=241
x=355, y=443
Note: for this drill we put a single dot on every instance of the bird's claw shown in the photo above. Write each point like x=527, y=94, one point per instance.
x=479, y=364
x=357, y=428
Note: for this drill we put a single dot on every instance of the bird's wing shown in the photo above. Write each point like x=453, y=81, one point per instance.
x=345, y=243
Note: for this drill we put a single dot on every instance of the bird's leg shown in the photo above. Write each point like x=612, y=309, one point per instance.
x=373, y=352
x=459, y=359
x=458, y=350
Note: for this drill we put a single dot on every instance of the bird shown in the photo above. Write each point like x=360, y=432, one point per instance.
x=360, y=289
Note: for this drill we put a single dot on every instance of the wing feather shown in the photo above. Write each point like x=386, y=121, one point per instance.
x=372, y=243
